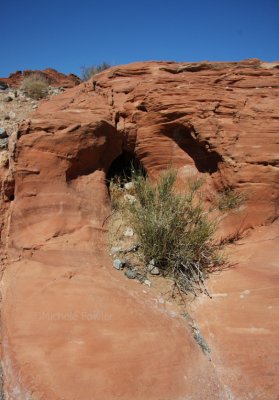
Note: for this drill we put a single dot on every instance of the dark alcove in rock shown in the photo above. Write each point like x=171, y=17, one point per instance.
x=205, y=159
x=122, y=167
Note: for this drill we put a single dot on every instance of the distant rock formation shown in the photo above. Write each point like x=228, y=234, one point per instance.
x=55, y=78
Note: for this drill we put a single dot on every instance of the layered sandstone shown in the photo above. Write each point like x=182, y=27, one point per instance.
x=72, y=327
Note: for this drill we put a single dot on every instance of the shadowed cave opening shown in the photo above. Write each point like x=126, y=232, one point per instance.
x=123, y=166
x=205, y=159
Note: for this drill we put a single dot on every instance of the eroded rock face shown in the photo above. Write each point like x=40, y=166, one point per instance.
x=215, y=120
x=219, y=120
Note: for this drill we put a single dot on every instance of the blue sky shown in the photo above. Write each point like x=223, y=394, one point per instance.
x=67, y=34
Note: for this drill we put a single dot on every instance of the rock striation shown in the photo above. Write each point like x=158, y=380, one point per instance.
x=72, y=327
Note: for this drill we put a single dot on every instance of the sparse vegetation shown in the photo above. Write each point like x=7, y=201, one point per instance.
x=35, y=86
x=88, y=72
x=229, y=199
x=173, y=230
x=116, y=193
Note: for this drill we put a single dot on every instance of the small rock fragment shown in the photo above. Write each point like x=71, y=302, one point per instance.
x=130, y=274
x=141, y=278
x=152, y=268
x=12, y=115
x=147, y=282
x=128, y=232
x=129, y=185
x=118, y=264
x=154, y=271
x=131, y=199
x=115, y=250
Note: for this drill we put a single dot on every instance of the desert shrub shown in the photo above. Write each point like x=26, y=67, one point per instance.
x=88, y=72
x=174, y=230
x=229, y=199
x=116, y=193
x=35, y=86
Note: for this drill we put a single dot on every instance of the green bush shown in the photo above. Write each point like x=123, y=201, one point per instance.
x=35, y=86
x=229, y=199
x=174, y=230
x=88, y=72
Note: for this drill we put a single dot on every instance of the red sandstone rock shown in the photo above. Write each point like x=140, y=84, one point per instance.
x=216, y=120
x=240, y=322
x=55, y=78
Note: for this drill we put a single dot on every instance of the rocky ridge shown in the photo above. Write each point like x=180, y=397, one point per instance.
x=55, y=78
